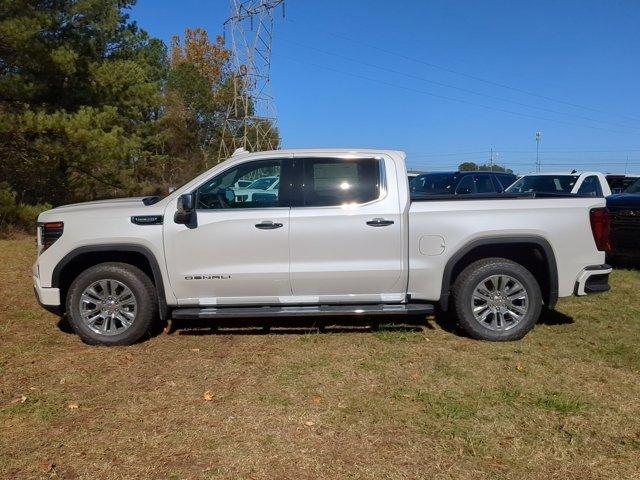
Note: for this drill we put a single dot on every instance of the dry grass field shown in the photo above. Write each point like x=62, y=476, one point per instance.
x=398, y=403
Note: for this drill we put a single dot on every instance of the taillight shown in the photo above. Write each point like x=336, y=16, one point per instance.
x=49, y=233
x=601, y=228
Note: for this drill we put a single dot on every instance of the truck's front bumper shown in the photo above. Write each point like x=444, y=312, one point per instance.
x=593, y=279
x=49, y=298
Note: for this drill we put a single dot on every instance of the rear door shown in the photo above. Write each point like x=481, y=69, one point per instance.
x=346, y=231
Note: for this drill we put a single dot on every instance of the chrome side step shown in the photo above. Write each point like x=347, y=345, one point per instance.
x=301, y=311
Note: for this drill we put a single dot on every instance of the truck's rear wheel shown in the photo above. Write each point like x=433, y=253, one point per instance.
x=497, y=299
x=111, y=304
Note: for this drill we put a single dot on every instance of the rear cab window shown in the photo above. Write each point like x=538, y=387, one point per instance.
x=591, y=186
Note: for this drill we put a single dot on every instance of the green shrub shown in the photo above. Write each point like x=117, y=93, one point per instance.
x=16, y=216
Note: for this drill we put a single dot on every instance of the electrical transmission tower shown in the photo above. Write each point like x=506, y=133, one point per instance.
x=251, y=117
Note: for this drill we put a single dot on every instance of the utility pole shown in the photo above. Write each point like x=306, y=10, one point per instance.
x=250, y=121
x=538, y=138
x=491, y=159
x=626, y=166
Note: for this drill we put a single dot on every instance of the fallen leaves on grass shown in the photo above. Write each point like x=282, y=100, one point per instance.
x=519, y=367
x=207, y=396
x=309, y=423
x=73, y=406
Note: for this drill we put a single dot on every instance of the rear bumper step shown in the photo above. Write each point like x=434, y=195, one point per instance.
x=301, y=311
x=594, y=279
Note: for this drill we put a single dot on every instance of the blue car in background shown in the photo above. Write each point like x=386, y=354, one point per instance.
x=624, y=209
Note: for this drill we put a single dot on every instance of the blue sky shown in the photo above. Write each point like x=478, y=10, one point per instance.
x=419, y=75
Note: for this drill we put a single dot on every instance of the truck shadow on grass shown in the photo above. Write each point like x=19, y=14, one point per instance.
x=298, y=326
x=301, y=326
x=447, y=322
x=294, y=326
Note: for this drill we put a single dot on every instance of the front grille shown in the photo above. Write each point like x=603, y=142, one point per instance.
x=625, y=228
x=625, y=216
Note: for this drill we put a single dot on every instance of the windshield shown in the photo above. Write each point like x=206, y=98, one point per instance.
x=434, y=183
x=544, y=184
x=635, y=188
x=262, y=183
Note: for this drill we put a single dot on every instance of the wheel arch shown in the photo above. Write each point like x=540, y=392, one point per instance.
x=87, y=256
x=542, y=263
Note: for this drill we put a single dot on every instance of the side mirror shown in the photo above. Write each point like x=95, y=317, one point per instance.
x=186, y=203
x=186, y=214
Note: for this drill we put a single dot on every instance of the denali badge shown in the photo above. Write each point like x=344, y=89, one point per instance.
x=207, y=277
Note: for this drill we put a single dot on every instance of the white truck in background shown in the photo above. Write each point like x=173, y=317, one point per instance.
x=340, y=235
x=577, y=183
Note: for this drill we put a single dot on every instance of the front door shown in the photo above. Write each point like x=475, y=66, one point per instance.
x=239, y=251
x=346, y=232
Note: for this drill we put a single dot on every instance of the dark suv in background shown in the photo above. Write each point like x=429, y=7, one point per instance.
x=624, y=210
x=460, y=183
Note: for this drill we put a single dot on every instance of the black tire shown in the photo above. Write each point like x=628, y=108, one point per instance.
x=143, y=291
x=466, y=283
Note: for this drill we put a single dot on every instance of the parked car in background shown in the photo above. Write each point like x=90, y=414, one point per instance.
x=242, y=184
x=413, y=174
x=586, y=183
x=266, y=188
x=624, y=209
x=343, y=236
x=619, y=183
x=461, y=183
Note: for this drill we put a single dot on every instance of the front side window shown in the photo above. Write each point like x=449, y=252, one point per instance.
x=590, y=186
x=248, y=185
x=334, y=182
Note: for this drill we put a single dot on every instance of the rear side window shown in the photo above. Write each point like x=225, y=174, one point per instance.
x=466, y=186
x=484, y=184
x=505, y=180
x=590, y=186
x=333, y=181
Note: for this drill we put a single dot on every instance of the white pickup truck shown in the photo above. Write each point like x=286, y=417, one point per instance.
x=339, y=236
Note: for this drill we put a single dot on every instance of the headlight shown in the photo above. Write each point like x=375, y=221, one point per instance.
x=48, y=233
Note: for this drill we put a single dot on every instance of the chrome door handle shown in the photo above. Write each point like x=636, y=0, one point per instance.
x=268, y=225
x=379, y=222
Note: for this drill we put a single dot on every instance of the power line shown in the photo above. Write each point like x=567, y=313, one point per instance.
x=444, y=97
x=528, y=152
x=453, y=87
x=472, y=77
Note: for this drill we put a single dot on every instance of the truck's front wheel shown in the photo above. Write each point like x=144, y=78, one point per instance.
x=111, y=304
x=497, y=299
